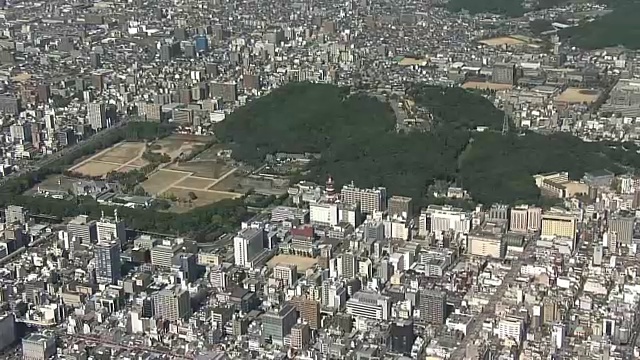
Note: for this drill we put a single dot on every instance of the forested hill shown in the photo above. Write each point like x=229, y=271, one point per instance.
x=356, y=139
x=619, y=27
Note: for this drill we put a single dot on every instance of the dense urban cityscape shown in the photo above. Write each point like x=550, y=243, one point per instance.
x=315, y=179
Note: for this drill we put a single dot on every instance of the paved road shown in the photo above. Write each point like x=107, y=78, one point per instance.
x=489, y=310
x=56, y=156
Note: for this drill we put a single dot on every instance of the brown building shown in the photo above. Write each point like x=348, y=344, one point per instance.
x=309, y=310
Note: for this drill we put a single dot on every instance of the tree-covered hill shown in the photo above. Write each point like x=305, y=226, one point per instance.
x=356, y=140
x=300, y=118
x=508, y=8
x=619, y=27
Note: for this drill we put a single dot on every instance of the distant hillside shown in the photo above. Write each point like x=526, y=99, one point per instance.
x=619, y=27
x=508, y=8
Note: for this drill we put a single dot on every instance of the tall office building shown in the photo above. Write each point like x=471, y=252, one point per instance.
x=504, y=74
x=15, y=214
x=438, y=219
x=309, y=310
x=172, y=304
x=83, y=229
x=96, y=60
x=7, y=330
x=344, y=265
x=534, y=218
x=370, y=200
x=402, y=337
x=39, y=346
x=107, y=262
x=111, y=229
x=433, y=306
x=276, y=324
x=97, y=115
x=498, y=213
x=559, y=225
x=519, y=219
x=247, y=245
x=400, y=206
x=622, y=226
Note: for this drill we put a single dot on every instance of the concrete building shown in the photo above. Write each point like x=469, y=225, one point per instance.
x=247, y=245
x=7, y=330
x=519, y=219
x=369, y=305
x=486, y=244
x=309, y=310
x=300, y=336
x=276, y=324
x=172, y=304
x=400, y=206
x=15, y=214
x=107, y=262
x=288, y=273
x=511, y=328
x=559, y=225
x=111, y=229
x=504, y=74
x=97, y=116
x=83, y=229
x=622, y=226
x=433, y=306
x=39, y=346
x=438, y=219
x=370, y=200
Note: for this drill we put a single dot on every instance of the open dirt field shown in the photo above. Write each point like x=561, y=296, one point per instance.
x=229, y=183
x=204, y=197
x=303, y=263
x=208, y=169
x=578, y=96
x=121, y=153
x=162, y=179
x=506, y=40
x=196, y=183
x=95, y=168
x=123, y=156
x=175, y=145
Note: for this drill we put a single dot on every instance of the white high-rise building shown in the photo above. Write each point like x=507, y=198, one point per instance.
x=247, y=244
x=97, y=115
x=511, y=328
x=111, y=229
x=438, y=219
x=370, y=200
x=557, y=336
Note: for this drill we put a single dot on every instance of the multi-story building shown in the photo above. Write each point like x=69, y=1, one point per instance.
x=433, y=306
x=111, y=229
x=486, y=244
x=370, y=200
x=97, y=116
x=400, y=206
x=162, y=254
x=107, y=262
x=622, y=226
x=7, y=330
x=287, y=273
x=276, y=324
x=369, y=305
x=504, y=74
x=511, y=328
x=15, y=214
x=39, y=346
x=83, y=229
x=172, y=303
x=438, y=219
x=559, y=225
x=519, y=219
x=309, y=310
x=300, y=336
x=247, y=245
